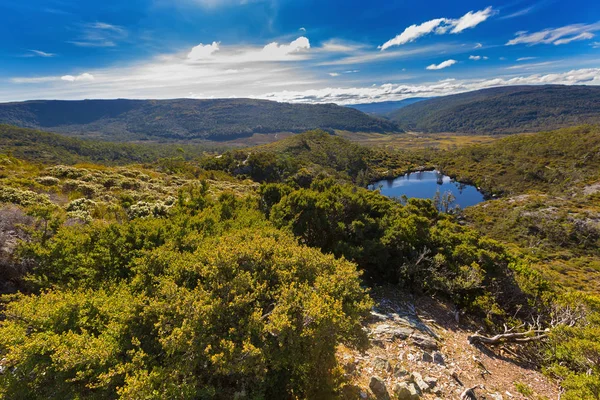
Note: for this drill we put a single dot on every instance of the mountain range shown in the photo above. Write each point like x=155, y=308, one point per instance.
x=503, y=110
x=184, y=119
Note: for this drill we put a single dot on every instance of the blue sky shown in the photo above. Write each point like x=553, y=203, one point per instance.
x=301, y=51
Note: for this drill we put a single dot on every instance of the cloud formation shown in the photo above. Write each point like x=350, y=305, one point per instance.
x=276, y=51
x=477, y=58
x=78, y=78
x=203, y=51
x=442, y=65
x=556, y=36
x=387, y=92
x=439, y=26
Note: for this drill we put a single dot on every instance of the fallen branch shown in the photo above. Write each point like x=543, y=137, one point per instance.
x=513, y=337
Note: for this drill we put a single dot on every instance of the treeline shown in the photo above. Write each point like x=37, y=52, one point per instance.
x=51, y=148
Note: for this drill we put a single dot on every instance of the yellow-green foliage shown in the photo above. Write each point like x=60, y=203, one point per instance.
x=548, y=161
x=197, y=306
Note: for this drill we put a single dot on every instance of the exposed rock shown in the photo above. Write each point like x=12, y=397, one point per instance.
x=427, y=357
x=402, y=391
x=378, y=388
x=382, y=364
x=415, y=393
x=431, y=381
x=418, y=380
x=438, y=358
x=400, y=372
x=393, y=332
x=424, y=342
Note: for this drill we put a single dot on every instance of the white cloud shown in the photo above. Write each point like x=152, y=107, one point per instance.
x=216, y=54
x=477, y=58
x=442, y=65
x=78, y=78
x=275, y=50
x=471, y=20
x=334, y=74
x=439, y=26
x=203, y=51
x=596, y=45
x=353, y=95
x=557, y=36
x=413, y=32
x=581, y=36
x=42, y=53
x=526, y=58
x=478, y=46
x=302, y=29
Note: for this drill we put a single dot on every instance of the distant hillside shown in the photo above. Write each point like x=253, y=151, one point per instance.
x=385, y=107
x=512, y=109
x=184, y=119
x=50, y=148
x=555, y=161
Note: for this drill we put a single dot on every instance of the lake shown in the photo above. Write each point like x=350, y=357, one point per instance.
x=425, y=184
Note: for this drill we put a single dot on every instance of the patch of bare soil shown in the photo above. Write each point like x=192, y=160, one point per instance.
x=417, y=350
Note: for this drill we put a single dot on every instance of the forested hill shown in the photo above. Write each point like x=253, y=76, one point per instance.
x=183, y=119
x=500, y=110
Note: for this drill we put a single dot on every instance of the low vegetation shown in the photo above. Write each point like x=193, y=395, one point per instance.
x=240, y=275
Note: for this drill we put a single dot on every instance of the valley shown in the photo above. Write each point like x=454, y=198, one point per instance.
x=263, y=264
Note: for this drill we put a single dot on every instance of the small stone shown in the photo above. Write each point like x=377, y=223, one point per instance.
x=363, y=394
x=418, y=380
x=382, y=364
x=415, y=393
x=431, y=381
x=378, y=388
x=402, y=392
x=496, y=396
x=400, y=372
x=427, y=357
x=438, y=358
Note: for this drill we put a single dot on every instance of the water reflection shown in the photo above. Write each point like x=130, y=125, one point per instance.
x=425, y=185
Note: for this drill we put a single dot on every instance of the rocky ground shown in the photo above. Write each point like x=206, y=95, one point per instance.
x=418, y=350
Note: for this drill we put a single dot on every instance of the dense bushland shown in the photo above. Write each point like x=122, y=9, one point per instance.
x=185, y=119
x=179, y=280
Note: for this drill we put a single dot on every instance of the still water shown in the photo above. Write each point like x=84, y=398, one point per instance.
x=425, y=184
